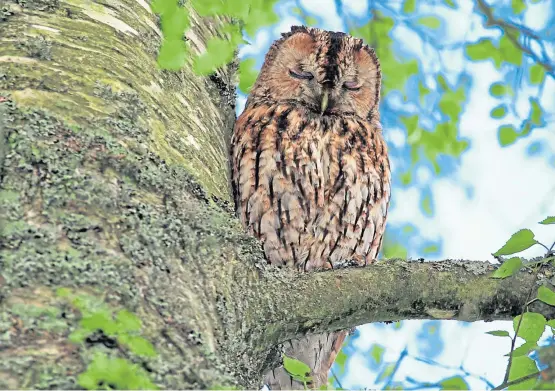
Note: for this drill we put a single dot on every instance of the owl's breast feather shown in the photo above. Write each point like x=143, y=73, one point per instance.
x=308, y=187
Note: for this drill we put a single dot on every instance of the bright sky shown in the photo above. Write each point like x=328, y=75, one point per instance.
x=492, y=193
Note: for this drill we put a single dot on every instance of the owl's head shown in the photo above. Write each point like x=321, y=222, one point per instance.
x=330, y=73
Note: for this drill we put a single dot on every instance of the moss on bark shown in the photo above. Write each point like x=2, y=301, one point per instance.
x=109, y=173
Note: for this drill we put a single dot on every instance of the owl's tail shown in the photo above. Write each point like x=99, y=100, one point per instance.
x=318, y=351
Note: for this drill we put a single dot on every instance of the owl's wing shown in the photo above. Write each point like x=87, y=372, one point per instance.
x=377, y=195
x=378, y=213
x=265, y=197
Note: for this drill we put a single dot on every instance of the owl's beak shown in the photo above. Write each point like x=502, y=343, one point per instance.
x=325, y=101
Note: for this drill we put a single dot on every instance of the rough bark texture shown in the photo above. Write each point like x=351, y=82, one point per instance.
x=110, y=173
x=113, y=184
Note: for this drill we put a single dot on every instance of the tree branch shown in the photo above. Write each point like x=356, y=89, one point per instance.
x=506, y=384
x=293, y=304
x=512, y=32
x=389, y=290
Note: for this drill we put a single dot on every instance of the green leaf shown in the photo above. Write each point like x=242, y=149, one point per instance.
x=79, y=335
x=172, y=55
x=499, y=333
x=386, y=372
x=127, y=321
x=499, y=111
x=247, y=74
x=218, y=53
x=260, y=14
x=100, y=320
x=162, y=7
x=451, y=101
x=175, y=23
x=536, y=112
x=480, y=50
x=88, y=381
x=426, y=205
x=548, y=220
x=450, y=3
x=430, y=21
x=340, y=361
x=405, y=177
x=526, y=129
x=521, y=367
x=507, y=268
x=377, y=352
x=531, y=327
x=454, y=383
x=509, y=52
x=409, y=6
x=523, y=349
x=518, y=242
x=395, y=72
x=311, y=21
x=138, y=345
x=442, y=82
x=296, y=368
x=551, y=323
x=537, y=74
x=518, y=6
x=117, y=372
x=394, y=250
x=486, y=49
x=234, y=33
x=498, y=89
x=422, y=91
x=507, y=135
x=208, y=8
x=546, y=295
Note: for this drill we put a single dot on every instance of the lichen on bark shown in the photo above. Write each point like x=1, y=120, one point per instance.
x=110, y=169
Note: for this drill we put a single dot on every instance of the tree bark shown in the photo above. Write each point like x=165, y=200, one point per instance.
x=114, y=187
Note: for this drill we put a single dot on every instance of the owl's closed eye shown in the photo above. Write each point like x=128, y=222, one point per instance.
x=330, y=73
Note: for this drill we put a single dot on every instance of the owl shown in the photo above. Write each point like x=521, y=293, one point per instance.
x=310, y=170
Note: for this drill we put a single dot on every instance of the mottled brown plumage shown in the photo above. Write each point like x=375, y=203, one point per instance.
x=310, y=171
x=313, y=186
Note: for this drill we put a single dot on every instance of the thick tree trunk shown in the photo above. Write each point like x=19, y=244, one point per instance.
x=113, y=184
x=114, y=195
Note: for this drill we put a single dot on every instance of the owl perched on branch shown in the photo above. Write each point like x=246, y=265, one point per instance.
x=310, y=171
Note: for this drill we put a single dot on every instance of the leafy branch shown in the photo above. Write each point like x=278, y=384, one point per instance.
x=513, y=33
x=529, y=325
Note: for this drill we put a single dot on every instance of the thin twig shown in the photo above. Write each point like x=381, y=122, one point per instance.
x=512, y=33
x=460, y=368
x=516, y=381
x=402, y=356
x=544, y=246
x=336, y=378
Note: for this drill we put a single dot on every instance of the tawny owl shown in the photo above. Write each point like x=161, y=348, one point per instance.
x=310, y=171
